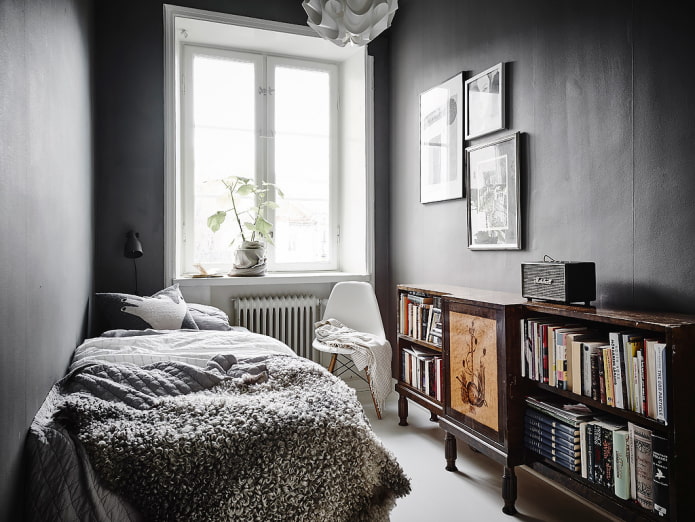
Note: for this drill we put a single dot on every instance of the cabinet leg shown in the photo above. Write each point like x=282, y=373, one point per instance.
x=509, y=490
x=450, y=452
x=402, y=410
x=433, y=417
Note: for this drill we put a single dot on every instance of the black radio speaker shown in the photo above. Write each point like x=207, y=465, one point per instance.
x=562, y=281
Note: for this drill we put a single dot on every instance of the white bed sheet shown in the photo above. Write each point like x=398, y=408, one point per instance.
x=190, y=346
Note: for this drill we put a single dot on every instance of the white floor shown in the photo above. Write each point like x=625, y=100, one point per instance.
x=473, y=492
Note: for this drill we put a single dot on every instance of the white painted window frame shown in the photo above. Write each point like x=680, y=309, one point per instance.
x=172, y=232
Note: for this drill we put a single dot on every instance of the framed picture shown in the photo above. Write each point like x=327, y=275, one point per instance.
x=441, y=141
x=485, y=102
x=492, y=191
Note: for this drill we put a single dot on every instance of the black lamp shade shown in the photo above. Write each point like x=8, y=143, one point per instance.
x=133, y=248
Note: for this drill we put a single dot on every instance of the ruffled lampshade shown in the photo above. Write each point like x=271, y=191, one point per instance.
x=355, y=22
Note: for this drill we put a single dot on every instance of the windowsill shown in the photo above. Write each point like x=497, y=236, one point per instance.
x=273, y=278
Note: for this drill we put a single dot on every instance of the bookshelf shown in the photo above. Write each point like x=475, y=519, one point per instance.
x=418, y=350
x=677, y=333
x=480, y=406
x=485, y=344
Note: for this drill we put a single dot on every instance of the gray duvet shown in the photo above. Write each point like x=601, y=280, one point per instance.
x=270, y=437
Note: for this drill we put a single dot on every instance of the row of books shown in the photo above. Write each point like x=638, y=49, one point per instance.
x=420, y=317
x=626, y=459
x=423, y=371
x=624, y=369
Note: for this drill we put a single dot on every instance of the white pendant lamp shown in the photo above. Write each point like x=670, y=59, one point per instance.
x=354, y=22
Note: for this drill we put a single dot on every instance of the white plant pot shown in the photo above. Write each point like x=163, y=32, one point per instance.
x=249, y=259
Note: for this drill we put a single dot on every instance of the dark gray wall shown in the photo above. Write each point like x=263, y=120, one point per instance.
x=45, y=211
x=603, y=96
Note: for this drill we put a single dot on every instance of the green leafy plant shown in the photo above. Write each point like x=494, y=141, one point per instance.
x=252, y=223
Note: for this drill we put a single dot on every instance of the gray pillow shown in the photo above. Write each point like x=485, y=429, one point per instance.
x=209, y=317
x=165, y=310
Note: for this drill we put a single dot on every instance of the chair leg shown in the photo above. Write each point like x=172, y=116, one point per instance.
x=331, y=365
x=378, y=412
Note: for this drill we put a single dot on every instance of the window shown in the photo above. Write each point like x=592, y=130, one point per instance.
x=291, y=114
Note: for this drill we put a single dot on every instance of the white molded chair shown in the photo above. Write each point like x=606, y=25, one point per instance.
x=354, y=304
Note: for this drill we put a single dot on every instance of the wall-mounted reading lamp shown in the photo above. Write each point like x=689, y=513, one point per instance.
x=133, y=250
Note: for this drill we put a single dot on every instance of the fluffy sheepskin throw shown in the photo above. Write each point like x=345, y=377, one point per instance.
x=281, y=440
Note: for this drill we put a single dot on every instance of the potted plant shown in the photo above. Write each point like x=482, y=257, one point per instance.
x=254, y=229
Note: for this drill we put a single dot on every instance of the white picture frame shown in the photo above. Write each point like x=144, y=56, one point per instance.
x=484, y=101
x=493, y=195
x=441, y=141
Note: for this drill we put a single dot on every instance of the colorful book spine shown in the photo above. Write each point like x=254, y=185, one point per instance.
x=660, y=466
x=621, y=464
x=618, y=369
x=552, y=422
x=644, y=473
x=607, y=357
x=590, y=452
x=551, y=436
x=661, y=382
x=599, y=475
x=558, y=451
x=568, y=463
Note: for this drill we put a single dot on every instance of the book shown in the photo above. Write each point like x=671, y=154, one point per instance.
x=650, y=370
x=560, y=409
x=589, y=451
x=434, y=325
x=608, y=429
x=589, y=348
x=567, y=463
x=573, y=347
x=607, y=357
x=415, y=303
x=547, y=422
x=599, y=469
x=560, y=351
x=558, y=451
x=547, y=338
x=600, y=376
x=661, y=382
x=660, y=466
x=631, y=343
x=583, y=448
x=550, y=428
x=554, y=438
x=641, y=439
x=641, y=383
x=618, y=369
x=621, y=464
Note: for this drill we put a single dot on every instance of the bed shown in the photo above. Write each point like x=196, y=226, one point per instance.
x=191, y=424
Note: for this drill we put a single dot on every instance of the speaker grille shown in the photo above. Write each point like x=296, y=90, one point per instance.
x=544, y=281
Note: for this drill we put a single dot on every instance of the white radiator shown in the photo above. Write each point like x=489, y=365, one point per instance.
x=289, y=319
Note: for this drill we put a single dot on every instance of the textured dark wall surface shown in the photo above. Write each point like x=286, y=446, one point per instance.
x=45, y=211
x=601, y=94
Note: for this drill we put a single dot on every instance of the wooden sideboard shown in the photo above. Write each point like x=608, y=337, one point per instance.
x=482, y=388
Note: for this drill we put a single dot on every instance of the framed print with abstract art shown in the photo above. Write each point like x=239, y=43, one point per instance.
x=492, y=191
x=441, y=141
x=485, y=102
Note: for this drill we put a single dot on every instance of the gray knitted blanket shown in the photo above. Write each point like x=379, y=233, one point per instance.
x=272, y=438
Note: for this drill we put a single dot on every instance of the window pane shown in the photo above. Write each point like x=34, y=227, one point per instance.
x=302, y=164
x=224, y=129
